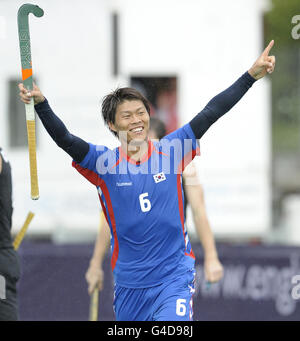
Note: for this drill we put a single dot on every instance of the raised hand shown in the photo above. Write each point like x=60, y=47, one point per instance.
x=26, y=95
x=264, y=64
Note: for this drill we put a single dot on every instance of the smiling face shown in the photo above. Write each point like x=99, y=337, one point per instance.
x=131, y=122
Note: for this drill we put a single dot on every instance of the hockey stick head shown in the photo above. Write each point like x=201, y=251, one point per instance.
x=24, y=40
x=25, y=9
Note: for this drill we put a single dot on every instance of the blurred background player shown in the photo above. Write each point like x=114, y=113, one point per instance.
x=194, y=196
x=9, y=261
x=95, y=274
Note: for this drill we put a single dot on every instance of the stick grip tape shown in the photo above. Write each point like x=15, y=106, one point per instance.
x=32, y=159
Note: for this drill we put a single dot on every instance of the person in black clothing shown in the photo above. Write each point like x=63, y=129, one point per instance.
x=9, y=261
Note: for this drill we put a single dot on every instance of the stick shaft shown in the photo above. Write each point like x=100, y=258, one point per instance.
x=21, y=234
x=94, y=305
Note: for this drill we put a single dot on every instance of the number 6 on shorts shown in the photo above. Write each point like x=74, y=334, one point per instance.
x=180, y=307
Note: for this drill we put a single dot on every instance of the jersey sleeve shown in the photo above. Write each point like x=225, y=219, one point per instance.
x=221, y=104
x=71, y=144
x=92, y=167
x=183, y=145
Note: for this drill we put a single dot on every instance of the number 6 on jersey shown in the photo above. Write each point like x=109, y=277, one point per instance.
x=145, y=203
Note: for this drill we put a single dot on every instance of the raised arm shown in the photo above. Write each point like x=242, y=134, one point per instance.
x=224, y=101
x=73, y=145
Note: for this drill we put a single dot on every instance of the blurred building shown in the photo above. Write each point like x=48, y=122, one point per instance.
x=82, y=50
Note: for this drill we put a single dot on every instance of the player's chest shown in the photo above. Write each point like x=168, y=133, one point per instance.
x=131, y=183
x=142, y=189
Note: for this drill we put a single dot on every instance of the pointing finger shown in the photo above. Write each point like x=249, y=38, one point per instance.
x=268, y=48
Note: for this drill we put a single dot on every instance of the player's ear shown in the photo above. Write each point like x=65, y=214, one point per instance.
x=112, y=127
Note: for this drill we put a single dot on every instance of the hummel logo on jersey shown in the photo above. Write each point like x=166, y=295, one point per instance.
x=159, y=177
x=121, y=184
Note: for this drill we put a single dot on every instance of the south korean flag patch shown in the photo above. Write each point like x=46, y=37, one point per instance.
x=159, y=177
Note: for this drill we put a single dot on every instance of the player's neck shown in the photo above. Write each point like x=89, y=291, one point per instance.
x=136, y=151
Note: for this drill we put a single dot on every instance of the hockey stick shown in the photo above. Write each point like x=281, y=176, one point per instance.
x=21, y=234
x=94, y=305
x=25, y=51
x=94, y=300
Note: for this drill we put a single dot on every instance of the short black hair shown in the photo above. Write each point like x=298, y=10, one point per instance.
x=118, y=96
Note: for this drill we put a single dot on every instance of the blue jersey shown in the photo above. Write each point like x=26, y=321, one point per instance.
x=143, y=204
